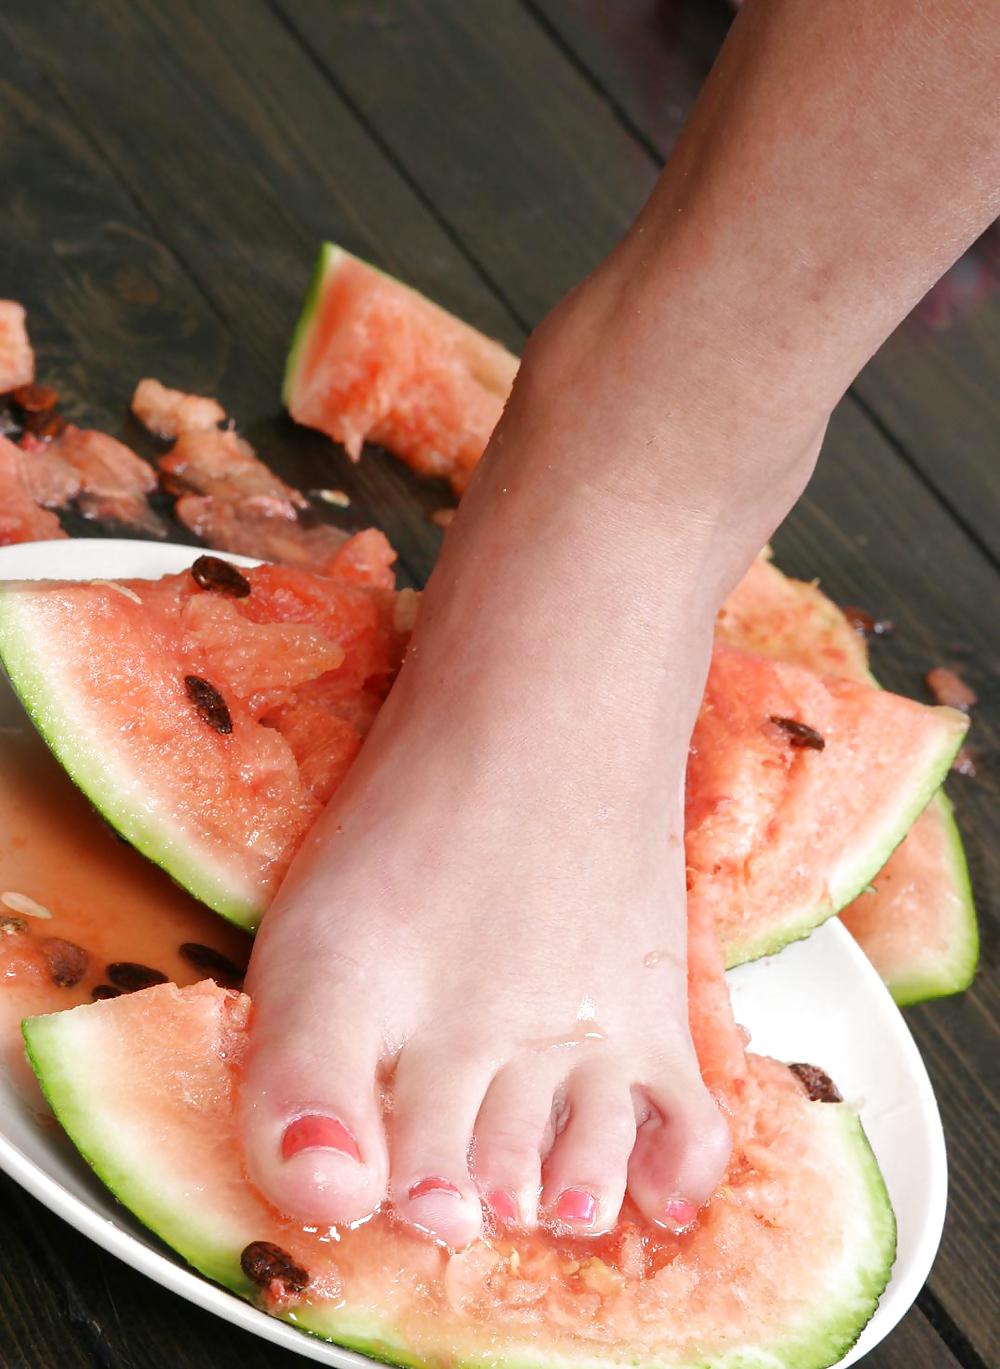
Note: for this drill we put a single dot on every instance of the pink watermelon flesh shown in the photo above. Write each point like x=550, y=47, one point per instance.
x=918, y=923
x=21, y=518
x=168, y=413
x=17, y=360
x=784, y=835
x=372, y=360
x=784, y=1265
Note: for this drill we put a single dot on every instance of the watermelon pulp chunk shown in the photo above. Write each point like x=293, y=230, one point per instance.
x=784, y=1266
x=373, y=360
x=918, y=925
x=785, y=835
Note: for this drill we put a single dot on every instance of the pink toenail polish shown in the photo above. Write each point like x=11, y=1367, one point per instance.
x=315, y=1131
x=575, y=1205
x=679, y=1213
x=425, y=1186
x=502, y=1205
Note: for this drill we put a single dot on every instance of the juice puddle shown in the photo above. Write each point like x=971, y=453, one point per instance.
x=103, y=896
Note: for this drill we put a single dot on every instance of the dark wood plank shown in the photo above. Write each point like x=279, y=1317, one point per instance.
x=65, y=1302
x=244, y=95
x=933, y=386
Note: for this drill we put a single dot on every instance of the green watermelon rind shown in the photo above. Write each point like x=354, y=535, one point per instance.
x=69, y=1074
x=34, y=679
x=953, y=972
x=863, y=868
x=329, y=255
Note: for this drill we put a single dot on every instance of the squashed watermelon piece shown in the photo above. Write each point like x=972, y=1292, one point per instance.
x=785, y=835
x=783, y=1267
x=917, y=923
x=114, y=482
x=167, y=413
x=21, y=519
x=46, y=477
x=200, y=685
x=373, y=360
x=17, y=360
x=799, y=788
x=221, y=464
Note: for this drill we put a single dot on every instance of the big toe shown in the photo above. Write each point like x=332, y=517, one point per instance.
x=311, y=1115
x=681, y=1153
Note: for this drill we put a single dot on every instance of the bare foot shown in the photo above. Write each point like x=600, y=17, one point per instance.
x=487, y=927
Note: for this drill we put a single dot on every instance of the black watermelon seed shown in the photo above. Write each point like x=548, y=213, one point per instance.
x=800, y=734
x=272, y=1268
x=209, y=702
x=211, y=572
x=817, y=1083
x=100, y=991
x=12, y=926
x=219, y=967
x=130, y=977
x=66, y=960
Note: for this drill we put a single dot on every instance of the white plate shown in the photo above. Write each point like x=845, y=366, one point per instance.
x=819, y=1001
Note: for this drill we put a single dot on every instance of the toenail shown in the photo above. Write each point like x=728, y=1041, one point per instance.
x=575, y=1205
x=315, y=1131
x=680, y=1214
x=502, y=1205
x=425, y=1186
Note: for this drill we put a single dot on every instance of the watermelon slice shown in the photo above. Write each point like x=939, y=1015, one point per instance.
x=229, y=693
x=918, y=925
x=373, y=360
x=783, y=1267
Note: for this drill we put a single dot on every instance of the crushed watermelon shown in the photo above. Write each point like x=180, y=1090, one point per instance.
x=372, y=360
x=114, y=482
x=167, y=413
x=17, y=360
x=917, y=921
x=21, y=519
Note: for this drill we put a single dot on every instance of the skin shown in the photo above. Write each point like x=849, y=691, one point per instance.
x=470, y=926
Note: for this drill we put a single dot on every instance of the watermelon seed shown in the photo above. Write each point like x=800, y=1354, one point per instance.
x=218, y=966
x=268, y=1265
x=101, y=991
x=209, y=703
x=66, y=960
x=21, y=903
x=817, y=1083
x=211, y=572
x=800, y=734
x=131, y=977
x=35, y=399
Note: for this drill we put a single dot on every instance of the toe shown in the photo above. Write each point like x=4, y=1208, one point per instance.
x=513, y=1131
x=436, y=1099
x=311, y=1115
x=586, y=1170
x=681, y=1152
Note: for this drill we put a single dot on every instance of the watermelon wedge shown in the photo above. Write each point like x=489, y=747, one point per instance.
x=372, y=360
x=296, y=668
x=918, y=924
x=783, y=1267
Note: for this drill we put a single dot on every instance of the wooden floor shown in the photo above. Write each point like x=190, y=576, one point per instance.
x=167, y=173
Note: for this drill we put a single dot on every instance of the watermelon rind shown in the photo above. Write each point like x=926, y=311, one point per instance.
x=329, y=255
x=953, y=971
x=136, y=1162
x=59, y=714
